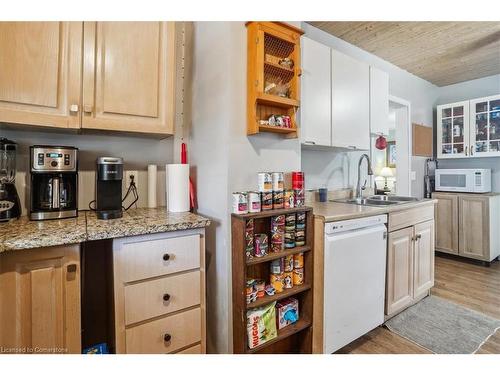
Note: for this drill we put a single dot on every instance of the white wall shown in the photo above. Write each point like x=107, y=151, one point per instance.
x=224, y=158
x=464, y=91
x=420, y=93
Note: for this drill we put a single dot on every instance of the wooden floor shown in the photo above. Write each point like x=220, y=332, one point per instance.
x=465, y=283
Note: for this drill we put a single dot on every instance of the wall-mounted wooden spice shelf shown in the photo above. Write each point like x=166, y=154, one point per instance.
x=273, y=76
x=296, y=338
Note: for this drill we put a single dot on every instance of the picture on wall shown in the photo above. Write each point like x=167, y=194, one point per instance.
x=391, y=154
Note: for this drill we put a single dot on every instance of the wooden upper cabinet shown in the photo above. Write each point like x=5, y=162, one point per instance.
x=40, y=73
x=129, y=76
x=40, y=300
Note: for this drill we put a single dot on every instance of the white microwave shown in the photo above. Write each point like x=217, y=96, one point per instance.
x=463, y=180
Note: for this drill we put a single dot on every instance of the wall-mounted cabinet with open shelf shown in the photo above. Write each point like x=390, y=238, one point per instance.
x=273, y=77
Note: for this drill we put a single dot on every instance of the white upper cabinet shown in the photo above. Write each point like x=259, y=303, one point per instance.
x=453, y=130
x=469, y=129
x=379, y=102
x=350, y=102
x=484, y=136
x=315, y=112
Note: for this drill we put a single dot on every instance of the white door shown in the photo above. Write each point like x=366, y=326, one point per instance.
x=379, y=102
x=485, y=126
x=315, y=111
x=350, y=102
x=453, y=130
x=354, y=285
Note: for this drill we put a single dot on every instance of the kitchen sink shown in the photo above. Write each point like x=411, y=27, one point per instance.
x=378, y=200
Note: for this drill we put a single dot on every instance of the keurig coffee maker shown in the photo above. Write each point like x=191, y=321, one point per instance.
x=108, y=188
x=53, y=182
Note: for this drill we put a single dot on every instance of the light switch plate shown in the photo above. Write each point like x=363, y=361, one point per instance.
x=413, y=175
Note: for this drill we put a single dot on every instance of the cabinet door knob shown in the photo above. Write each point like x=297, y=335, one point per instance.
x=166, y=257
x=87, y=108
x=73, y=108
x=417, y=237
x=166, y=297
x=167, y=337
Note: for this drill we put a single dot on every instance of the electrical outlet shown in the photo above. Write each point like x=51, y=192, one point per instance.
x=128, y=179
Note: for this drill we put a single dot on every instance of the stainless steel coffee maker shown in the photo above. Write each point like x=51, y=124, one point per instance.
x=54, y=182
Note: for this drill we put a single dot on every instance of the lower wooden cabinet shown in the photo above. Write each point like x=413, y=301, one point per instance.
x=40, y=300
x=410, y=264
x=467, y=225
x=159, y=293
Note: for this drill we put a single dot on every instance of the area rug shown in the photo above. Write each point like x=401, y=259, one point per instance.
x=443, y=327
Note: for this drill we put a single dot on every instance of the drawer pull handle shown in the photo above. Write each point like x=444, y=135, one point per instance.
x=166, y=257
x=167, y=337
x=166, y=297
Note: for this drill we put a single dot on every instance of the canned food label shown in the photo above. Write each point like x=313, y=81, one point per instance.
x=278, y=183
x=265, y=182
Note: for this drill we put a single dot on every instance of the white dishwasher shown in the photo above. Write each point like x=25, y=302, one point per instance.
x=354, y=279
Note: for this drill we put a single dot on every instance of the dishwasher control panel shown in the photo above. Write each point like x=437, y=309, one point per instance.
x=353, y=224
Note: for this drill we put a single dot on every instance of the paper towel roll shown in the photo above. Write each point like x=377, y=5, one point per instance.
x=177, y=177
x=152, y=171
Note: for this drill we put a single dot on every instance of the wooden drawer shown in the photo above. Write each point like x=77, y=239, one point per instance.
x=146, y=300
x=142, y=260
x=192, y=350
x=184, y=329
x=412, y=216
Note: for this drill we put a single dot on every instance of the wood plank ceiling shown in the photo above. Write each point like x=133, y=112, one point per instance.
x=443, y=53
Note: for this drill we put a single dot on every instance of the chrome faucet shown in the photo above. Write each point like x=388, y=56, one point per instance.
x=359, y=188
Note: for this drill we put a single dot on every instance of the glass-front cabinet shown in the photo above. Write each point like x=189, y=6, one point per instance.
x=453, y=130
x=469, y=129
x=485, y=126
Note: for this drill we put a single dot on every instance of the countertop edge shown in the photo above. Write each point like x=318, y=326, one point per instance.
x=366, y=211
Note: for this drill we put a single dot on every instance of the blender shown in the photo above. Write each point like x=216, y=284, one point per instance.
x=10, y=206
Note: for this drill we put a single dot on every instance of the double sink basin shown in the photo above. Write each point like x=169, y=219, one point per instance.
x=378, y=200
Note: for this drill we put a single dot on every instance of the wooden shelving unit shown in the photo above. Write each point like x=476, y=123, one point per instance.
x=268, y=43
x=296, y=338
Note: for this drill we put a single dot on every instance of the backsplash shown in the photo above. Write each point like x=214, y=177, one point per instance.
x=86, y=189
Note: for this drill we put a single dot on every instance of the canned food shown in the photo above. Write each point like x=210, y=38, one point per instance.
x=298, y=260
x=278, y=223
x=260, y=286
x=301, y=217
x=288, y=280
x=265, y=182
x=297, y=180
x=278, y=181
x=240, y=205
x=300, y=242
x=298, y=276
x=277, y=242
x=289, y=199
x=278, y=199
x=277, y=282
x=249, y=236
x=253, y=201
x=288, y=263
x=299, y=197
x=277, y=266
x=290, y=220
x=266, y=199
x=260, y=244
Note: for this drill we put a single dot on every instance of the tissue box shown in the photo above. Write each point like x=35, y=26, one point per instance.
x=287, y=312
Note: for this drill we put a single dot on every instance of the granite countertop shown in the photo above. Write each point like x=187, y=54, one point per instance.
x=25, y=234
x=142, y=221
x=335, y=211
